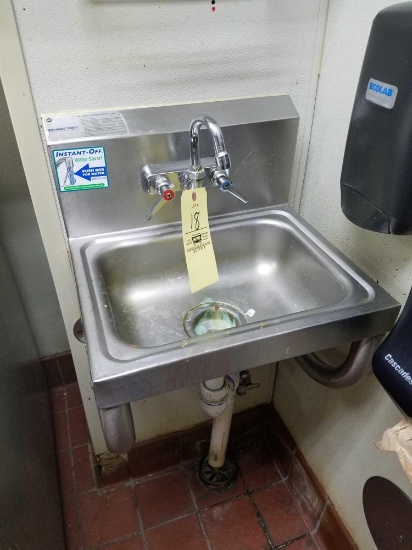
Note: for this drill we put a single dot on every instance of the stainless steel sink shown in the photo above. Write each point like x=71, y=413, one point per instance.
x=283, y=291
x=297, y=293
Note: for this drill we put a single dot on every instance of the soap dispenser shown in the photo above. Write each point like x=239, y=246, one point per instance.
x=376, y=181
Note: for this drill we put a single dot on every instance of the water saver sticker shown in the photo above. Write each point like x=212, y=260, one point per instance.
x=81, y=169
x=197, y=242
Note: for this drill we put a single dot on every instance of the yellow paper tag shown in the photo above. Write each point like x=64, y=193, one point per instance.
x=197, y=242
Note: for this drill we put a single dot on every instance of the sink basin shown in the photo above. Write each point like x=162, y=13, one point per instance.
x=265, y=266
x=295, y=293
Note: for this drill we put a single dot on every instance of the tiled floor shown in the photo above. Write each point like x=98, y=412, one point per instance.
x=171, y=510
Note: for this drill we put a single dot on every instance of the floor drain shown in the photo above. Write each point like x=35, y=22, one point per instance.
x=212, y=317
x=218, y=479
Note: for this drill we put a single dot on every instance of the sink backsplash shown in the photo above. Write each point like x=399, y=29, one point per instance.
x=260, y=136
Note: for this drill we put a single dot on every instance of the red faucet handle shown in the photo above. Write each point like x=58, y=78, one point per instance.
x=168, y=195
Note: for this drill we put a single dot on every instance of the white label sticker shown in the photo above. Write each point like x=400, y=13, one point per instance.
x=81, y=169
x=103, y=124
x=381, y=93
x=70, y=127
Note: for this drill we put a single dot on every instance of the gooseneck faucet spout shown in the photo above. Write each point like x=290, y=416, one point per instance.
x=221, y=155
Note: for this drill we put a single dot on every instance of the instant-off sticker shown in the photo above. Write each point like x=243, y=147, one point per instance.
x=197, y=242
x=81, y=169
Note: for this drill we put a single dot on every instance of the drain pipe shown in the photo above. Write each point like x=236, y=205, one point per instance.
x=217, y=397
x=356, y=365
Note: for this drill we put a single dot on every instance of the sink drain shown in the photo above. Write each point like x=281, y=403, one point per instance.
x=212, y=317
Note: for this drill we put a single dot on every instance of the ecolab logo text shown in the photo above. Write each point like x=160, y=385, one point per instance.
x=398, y=368
x=383, y=90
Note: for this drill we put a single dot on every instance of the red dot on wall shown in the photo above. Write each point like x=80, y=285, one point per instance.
x=213, y=8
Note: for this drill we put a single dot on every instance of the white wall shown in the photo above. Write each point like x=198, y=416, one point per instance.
x=337, y=429
x=22, y=242
x=113, y=53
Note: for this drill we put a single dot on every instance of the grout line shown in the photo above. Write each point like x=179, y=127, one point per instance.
x=223, y=501
x=76, y=500
x=282, y=477
x=252, y=492
x=115, y=541
x=258, y=515
x=140, y=520
x=261, y=521
x=289, y=542
x=171, y=520
x=151, y=477
x=323, y=512
x=202, y=527
x=192, y=496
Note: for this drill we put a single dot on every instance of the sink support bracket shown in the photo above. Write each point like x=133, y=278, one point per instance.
x=356, y=365
x=118, y=428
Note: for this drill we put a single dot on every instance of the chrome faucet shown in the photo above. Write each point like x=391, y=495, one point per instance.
x=156, y=177
x=221, y=155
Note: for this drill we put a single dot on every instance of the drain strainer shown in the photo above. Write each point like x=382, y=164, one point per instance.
x=212, y=317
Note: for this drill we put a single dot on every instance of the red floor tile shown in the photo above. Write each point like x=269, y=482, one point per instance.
x=306, y=491
x=182, y=534
x=155, y=456
x=234, y=525
x=163, y=498
x=57, y=400
x=66, y=484
x=205, y=497
x=83, y=469
x=73, y=396
x=71, y=527
x=118, y=477
x=107, y=517
x=280, y=514
x=78, y=427
x=257, y=466
x=132, y=543
x=61, y=433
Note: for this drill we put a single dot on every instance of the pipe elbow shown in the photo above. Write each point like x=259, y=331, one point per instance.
x=354, y=368
x=118, y=428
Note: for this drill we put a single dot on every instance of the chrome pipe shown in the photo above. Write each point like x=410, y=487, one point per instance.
x=118, y=428
x=356, y=365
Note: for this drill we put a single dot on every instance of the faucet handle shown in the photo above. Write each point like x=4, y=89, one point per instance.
x=220, y=179
x=164, y=187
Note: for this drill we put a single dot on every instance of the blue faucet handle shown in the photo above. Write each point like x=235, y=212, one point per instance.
x=225, y=185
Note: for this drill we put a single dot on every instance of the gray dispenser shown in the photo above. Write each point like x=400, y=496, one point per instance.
x=376, y=181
